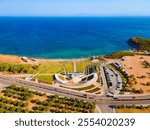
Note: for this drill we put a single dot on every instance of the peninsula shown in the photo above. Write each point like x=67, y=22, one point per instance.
x=141, y=44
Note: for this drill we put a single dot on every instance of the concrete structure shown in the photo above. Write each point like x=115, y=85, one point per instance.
x=76, y=79
x=25, y=59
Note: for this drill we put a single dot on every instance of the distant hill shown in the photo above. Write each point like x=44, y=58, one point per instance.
x=120, y=54
x=141, y=44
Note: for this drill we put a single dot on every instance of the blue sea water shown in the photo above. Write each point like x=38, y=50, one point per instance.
x=69, y=37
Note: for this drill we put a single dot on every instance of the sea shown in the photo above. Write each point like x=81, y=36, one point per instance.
x=69, y=37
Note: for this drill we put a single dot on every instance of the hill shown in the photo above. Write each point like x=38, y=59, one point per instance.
x=120, y=54
x=141, y=44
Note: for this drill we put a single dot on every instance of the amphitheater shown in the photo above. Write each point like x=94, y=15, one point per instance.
x=76, y=79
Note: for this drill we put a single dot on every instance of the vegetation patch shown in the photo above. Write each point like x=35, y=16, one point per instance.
x=93, y=90
x=44, y=78
x=89, y=89
x=132, y=108
x=146, y=64
x=20, y=99
x=141, y=44
x=84, y=88
x=128, y=88
x=120, y=54
x=17, y=68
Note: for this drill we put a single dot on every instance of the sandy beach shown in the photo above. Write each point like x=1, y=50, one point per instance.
x=17, y=59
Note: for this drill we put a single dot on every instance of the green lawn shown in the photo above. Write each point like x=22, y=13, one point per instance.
x=93, y=90
x=44, y=77
x=84, y=88
x=68, y=65
x=82, y=64
x=56, y=67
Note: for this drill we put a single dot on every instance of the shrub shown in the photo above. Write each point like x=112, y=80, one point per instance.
x=120, y=54
x=148, y=83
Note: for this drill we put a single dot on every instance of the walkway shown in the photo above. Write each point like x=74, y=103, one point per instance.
x=75, y=67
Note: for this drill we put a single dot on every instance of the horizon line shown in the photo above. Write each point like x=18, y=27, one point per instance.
x=75, y=16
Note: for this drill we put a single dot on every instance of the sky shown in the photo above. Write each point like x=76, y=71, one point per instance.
x=74, y=7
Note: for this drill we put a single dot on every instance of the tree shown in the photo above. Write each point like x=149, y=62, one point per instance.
x=81, y=104
x=37, y=101
x=4, y=67
x=7, y=107
x=40, y=94
x=45, y=103
x=25, y=110
x=1, y=98
x=56, y=96
x=50, y=103
x=2, y=105
x=72, y=108
x=13, y=86
x=148, y=83
x=19, y=110
x=92, y=110
x=1, y=110
x=93, y=105
x=20, y=104
x=41, y=108
x=44, y=94
x=122, y=106
x=12, y=109
x=63, y=111
x=140, y=91
x=87, y=105
x=60, y=106
x=85, y=110
x=15, y=103
x=25, y=104
x=78, y=109
x=75, y=103
x=46, y=109
x=57, y=110
x=66, y=106
x=133, y=106
x=66, y=98
x=4, y=100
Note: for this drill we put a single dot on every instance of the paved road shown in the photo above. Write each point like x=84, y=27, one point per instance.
x=75, y=67
x=103, y=82
x=105, y=108
x=102, y=101
x=51, y=89
x=2, y=86
x=113, y=80
x=43, y=87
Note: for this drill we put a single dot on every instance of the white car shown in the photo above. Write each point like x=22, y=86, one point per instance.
x=115, y=97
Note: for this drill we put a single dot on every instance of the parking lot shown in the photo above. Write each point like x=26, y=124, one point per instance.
x=109, y=80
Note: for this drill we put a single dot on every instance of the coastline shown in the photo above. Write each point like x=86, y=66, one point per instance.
x=17, y=59
x=59, y=59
